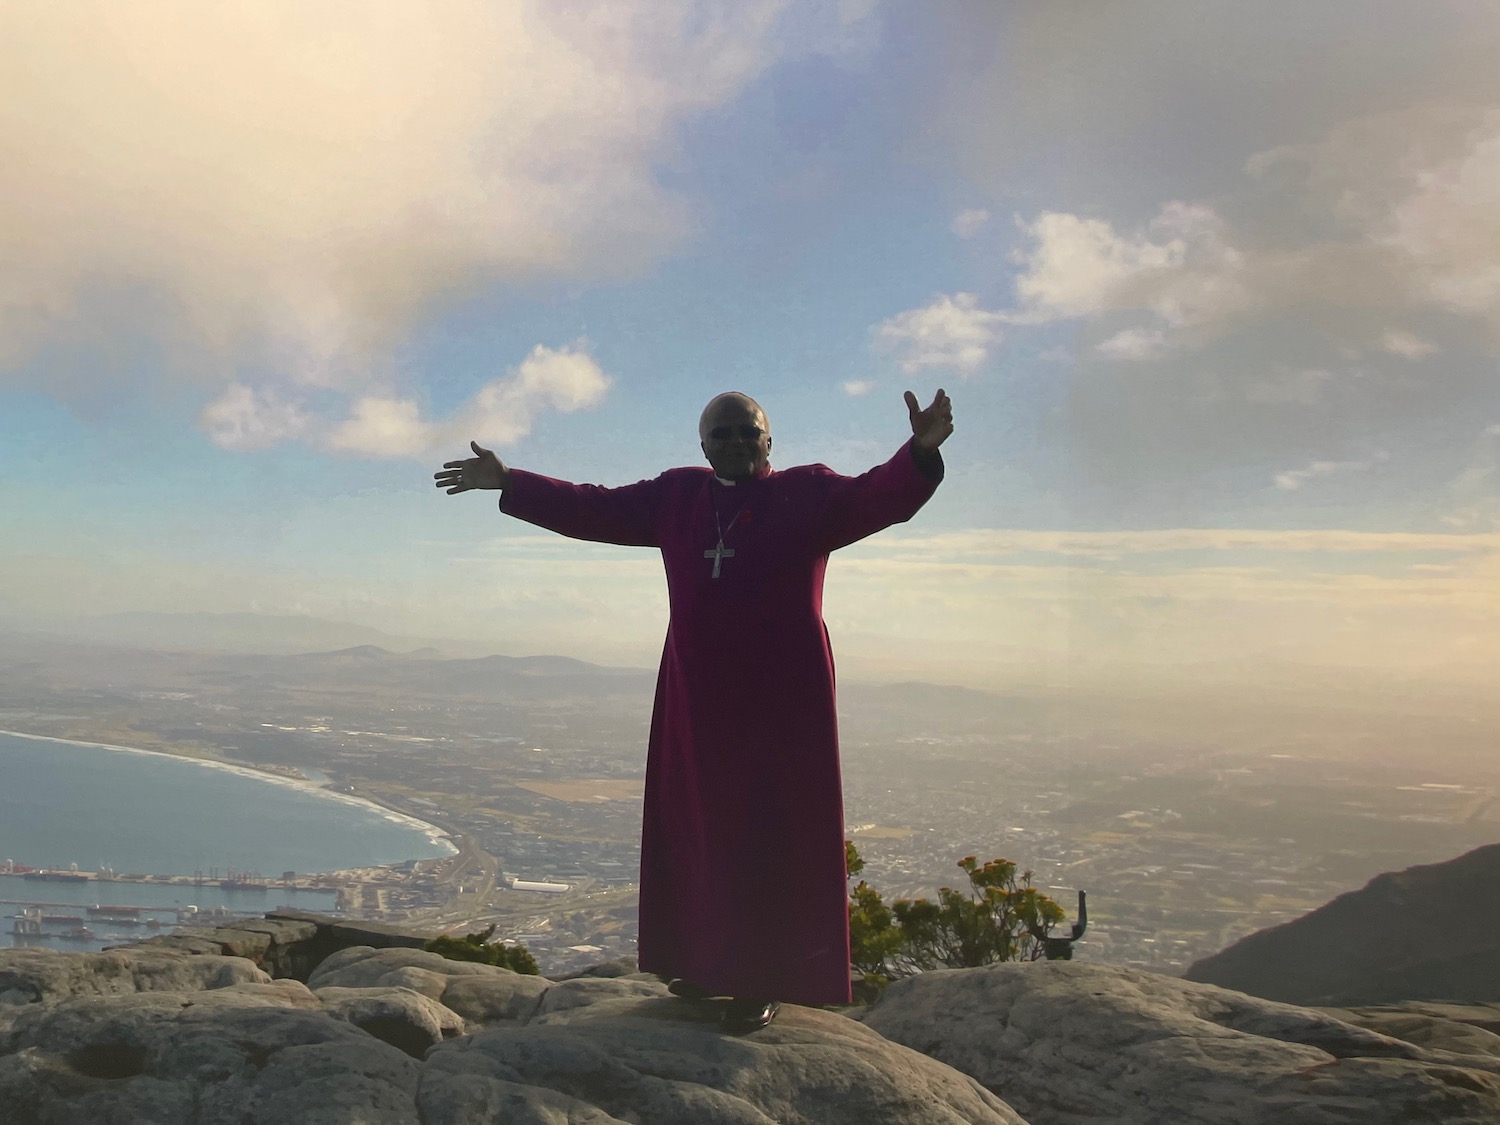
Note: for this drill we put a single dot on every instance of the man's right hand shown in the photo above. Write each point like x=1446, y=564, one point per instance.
x=483, y=470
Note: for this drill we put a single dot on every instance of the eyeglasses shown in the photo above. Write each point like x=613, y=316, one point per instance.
x=746, y=433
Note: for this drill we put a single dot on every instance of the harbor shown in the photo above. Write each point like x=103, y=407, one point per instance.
x=92, y=910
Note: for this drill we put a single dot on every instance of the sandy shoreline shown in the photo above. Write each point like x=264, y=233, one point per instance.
x=435, y=835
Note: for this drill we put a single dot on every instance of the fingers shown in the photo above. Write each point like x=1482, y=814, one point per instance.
x=479, y=450
x=912, y=409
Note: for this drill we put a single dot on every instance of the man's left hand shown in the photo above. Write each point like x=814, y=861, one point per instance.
x=932, y=426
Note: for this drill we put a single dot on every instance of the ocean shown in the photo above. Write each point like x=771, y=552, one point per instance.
x=135, y=812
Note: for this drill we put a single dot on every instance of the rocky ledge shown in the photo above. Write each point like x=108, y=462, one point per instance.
x=396, y=1035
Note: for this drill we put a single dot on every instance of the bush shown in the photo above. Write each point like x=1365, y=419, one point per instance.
x=1001, y=917
x=473, y=947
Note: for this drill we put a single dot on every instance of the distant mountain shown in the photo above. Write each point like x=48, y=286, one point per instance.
x=1427, y=933
x=421, y=673
x=233, y=632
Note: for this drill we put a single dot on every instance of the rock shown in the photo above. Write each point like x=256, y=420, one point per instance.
x=243, y=1055
x=620, y=967
x=1463, y=1029
x=589, y=991
x=406, y=1020
x=1069, y=1042
x=1377, y=945
x=483, y=1001
x=29, y=976
x=665, y=1061
x=481, y=994
x=236, y=941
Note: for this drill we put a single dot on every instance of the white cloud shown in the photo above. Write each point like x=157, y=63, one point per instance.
x=1293, y=479
x=502, y=411
x=383, y=427
x=1180, y=267
x=245, y=419
x=970, y=222
x=1405, y=207
x=566, y=380
x=290, y=186
x=856, y=387
x=1134, y=344
x=1450, y=224
x=950, y=332
x=1407, y=345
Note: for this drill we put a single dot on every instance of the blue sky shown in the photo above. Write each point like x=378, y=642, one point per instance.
x=1214, y=291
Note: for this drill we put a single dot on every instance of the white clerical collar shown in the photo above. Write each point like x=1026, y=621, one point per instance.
x=726, y=483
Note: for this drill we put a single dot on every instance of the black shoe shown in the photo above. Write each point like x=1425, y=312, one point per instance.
x=687, y=989
x=741, y=1016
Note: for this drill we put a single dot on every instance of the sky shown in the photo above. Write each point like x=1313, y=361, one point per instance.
x=1214, y=287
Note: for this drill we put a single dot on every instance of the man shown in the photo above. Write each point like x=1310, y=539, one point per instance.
x=743, y=888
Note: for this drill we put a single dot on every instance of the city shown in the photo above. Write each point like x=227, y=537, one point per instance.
x=1182, y=848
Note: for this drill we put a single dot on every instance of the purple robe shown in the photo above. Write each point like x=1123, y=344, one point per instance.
x=743, y=886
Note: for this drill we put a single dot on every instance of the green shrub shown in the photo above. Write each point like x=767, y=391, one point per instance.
x=1001, y=917
x=473, y=947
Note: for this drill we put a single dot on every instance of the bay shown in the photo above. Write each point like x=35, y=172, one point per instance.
x=136, y=812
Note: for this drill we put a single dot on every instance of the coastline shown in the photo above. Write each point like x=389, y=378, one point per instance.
x=436, y=835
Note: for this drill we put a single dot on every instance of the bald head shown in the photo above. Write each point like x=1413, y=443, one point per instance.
x=735, y=435
x=736, y=398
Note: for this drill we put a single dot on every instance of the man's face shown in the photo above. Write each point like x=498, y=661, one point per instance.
x=736, y=437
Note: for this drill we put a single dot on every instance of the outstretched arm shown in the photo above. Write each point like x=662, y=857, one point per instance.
x=624, y=515
x=483, y=470
x=892, y=492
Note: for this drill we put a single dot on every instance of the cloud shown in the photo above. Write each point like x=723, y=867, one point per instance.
x=970, y=222
x=1133, y=344
x=289, y=187
x=502, y=411
x=1407, y=345
x=967, y=546
x=950, y=332
x=1180, y=267
x=1293, y=479
x=1474, y=494
x=856, y=387
x=243, y=419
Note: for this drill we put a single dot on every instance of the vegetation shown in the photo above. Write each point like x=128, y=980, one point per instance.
x=1001, y=917
x=474, y=947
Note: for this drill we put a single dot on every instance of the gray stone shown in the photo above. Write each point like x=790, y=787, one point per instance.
x=620, y=967
x=588, y=991
x=283, y=931
x=243, y=1055
x=1070, y=1042
x=406, y=1020
x=484, y=1001
x=481, y=994
x=665, y=1061
x=361, y=966
x=236, y=941
x=29, y=976
x=1458, y=1028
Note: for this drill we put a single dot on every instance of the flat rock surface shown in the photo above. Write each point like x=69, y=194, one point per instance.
x=592, y=1050
x=31, y=975
x=244, y=1055
x=665, y=1061
x=480, y=994
x=1465, y=1028
x=1069, y=1043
